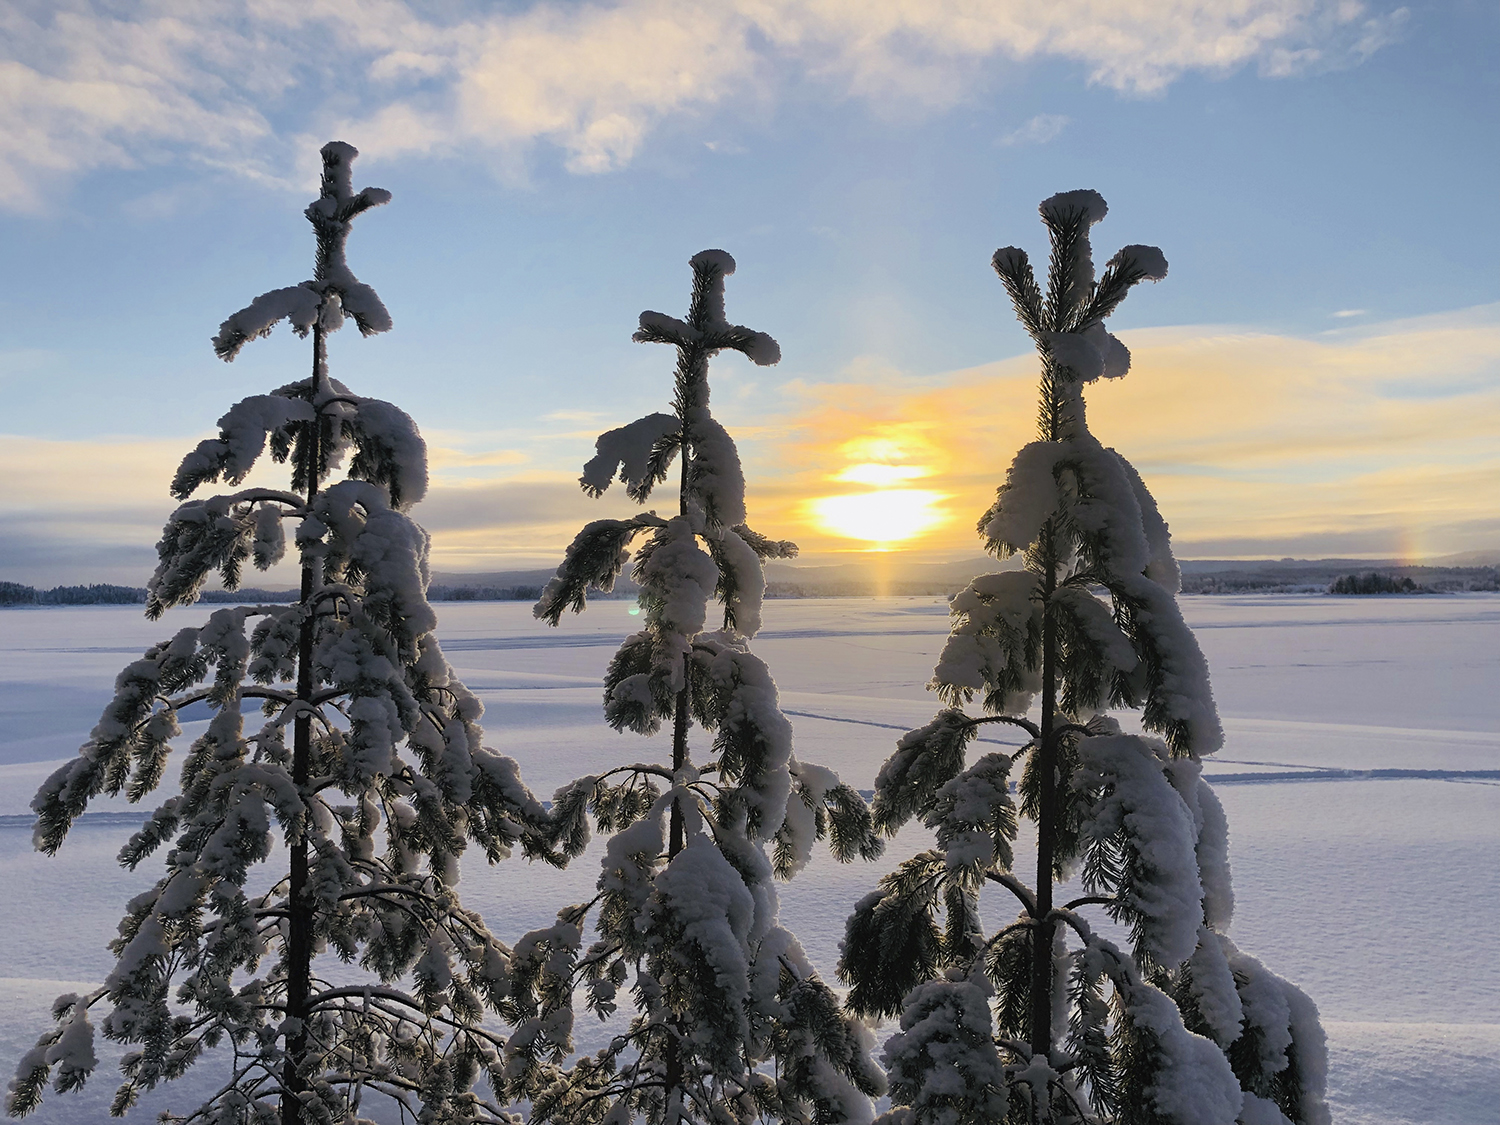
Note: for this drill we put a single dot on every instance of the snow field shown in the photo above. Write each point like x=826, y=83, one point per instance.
x=1380, y=898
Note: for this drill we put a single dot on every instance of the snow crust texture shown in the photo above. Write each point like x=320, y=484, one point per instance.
x=1423, y=1055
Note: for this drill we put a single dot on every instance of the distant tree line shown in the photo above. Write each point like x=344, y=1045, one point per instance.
x=248, y=595
x=483, y=593
x=102, y=593
x=1372, y=582
x=16, y=594
x=1434, y=580
x=13, y=593
x=861, y=588
x=1312, y=579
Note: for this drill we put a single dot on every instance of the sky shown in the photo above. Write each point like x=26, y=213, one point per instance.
x=1318, y=375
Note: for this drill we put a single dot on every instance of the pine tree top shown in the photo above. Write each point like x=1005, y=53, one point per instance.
x=333, y=292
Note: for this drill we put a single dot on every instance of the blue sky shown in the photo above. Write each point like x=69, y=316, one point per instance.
x=1319, y=374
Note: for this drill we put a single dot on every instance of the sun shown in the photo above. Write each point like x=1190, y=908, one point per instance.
x=882, y=514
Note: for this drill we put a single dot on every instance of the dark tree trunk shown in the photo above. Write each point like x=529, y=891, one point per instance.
x=1046, y=768
x=673, y=1072
x=300, y=911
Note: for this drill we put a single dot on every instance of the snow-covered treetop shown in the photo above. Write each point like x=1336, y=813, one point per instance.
x=717, y=265
x=1085, y=202
x=1067, y=322
x=334, y=291
x=338, y=200
x=1085, y=515
x=388, y=450
x=641, y=453
x=679, y=577
x=706, y=331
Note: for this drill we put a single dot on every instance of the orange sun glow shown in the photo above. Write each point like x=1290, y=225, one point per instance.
x=883, y=514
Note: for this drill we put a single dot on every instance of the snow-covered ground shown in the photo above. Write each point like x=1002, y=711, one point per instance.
x=1379, y=894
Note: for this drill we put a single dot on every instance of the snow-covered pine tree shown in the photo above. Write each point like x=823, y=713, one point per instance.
x=383, y=785
x=1048, y=1019
x=731, y=1024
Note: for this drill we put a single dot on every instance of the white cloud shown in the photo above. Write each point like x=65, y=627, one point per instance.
x=1038, y=131
x=241, y=84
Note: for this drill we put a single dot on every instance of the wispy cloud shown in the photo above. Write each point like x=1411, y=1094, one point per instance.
x=241, y=85
x=457, y=464
x=1038, y=131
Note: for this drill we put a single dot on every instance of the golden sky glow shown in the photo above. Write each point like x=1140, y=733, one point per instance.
x=880, y=516
x=882, y=475
x=1377, y=442
x=885, y=510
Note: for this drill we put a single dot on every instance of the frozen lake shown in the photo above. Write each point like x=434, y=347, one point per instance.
x=1360, y=778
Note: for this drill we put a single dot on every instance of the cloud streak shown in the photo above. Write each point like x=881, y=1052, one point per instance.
x=1039, y=130
x=241, y=85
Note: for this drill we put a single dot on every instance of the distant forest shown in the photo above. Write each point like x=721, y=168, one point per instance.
x=1252, y=578
x=15, y=594
x=1314, y=578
